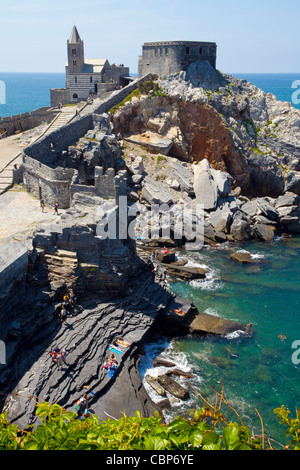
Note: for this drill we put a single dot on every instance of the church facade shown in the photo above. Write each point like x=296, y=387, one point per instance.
x=86, y=77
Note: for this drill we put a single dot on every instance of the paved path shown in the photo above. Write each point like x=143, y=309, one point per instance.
x=20, y=214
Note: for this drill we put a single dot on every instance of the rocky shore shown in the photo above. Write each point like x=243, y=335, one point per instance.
x=121, y=297
x=197, y=138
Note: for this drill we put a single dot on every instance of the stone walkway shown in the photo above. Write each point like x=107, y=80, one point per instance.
x=20, y=214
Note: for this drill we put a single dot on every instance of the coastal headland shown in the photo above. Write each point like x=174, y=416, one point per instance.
x=221, y=143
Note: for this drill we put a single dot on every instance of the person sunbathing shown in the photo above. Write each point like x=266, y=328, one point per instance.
x=179, y=311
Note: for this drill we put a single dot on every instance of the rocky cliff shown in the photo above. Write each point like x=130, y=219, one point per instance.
x=219, y=141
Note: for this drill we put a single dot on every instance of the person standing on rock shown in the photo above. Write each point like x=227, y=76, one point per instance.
x=55, y=208
x=42, y=205
x=83, y=405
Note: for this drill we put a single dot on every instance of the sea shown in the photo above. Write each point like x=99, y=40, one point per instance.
x=256, y=374
x=25, y=92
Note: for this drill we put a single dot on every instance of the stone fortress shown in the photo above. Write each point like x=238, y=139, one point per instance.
x=75, y=160
x=170, y=57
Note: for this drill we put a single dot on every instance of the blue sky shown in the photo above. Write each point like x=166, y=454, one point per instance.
x=255, y=36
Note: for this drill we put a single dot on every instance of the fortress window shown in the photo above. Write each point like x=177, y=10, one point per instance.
x=75, y=96
x=166, y=51
x=200, y=50
x=187, y=50
x=161, y=51
x=75, y=79
x=156, y=52
x=91, y=79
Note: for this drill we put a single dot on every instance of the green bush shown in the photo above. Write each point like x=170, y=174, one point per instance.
x=208, y=430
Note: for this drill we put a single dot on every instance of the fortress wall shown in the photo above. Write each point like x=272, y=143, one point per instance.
x=69, y=134
x=61, y=139
x=22, y=122
x=13, y=265
x=167, y=58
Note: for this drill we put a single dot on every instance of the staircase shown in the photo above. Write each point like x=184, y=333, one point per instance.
x=6, y=174
x=60, y=120
x=6, y=178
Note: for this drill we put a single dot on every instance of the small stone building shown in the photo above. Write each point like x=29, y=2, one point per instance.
x=169, y=57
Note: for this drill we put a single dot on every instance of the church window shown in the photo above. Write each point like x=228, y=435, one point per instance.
x=74, y=62
x=156, y=52
x=73, y=51
x=161, y=51
x=166, y=51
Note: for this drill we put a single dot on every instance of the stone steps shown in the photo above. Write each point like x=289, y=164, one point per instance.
x=6, y=178
x=62, y=119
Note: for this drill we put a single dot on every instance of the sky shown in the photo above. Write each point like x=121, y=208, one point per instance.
x=259, y=36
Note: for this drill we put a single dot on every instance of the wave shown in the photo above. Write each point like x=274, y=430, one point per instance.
x=167, y=350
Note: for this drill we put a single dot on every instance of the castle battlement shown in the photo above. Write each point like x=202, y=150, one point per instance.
x=169, y=57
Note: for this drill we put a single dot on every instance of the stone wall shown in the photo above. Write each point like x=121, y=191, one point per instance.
x=59, y=95
x=71, y=132
x=22, y=122
x=13, y=265
x=44, y=169
x=165, y=58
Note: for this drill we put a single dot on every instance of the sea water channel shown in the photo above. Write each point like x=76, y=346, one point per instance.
x=258, y=372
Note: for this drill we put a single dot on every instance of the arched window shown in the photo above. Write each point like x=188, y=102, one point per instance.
x=75, y=96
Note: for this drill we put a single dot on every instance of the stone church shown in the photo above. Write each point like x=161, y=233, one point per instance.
x=87, y=76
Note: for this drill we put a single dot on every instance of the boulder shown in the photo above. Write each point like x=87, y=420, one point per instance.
x=241, y=229
x=185, y=273
x=137, y=166
x=220, y=220
x=242, y=257
x=260, y=206
x=152, y=141
x=210, y=184
x=161, y=362
x=205, y=188
x=173, y=387
x=183, y=176
x=292, y=182
x=167, y=258
x=155, y=192
x=288, y=199
x=153, y=382
x=264, y=232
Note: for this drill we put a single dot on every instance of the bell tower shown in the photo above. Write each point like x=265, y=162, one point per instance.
x=75, y=52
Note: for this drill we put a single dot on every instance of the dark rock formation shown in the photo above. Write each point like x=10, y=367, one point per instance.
x=173, y=387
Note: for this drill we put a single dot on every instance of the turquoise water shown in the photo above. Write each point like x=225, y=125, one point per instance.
x=279, y=84
x=25, y=92
x=28, y=91
x=257, y=371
